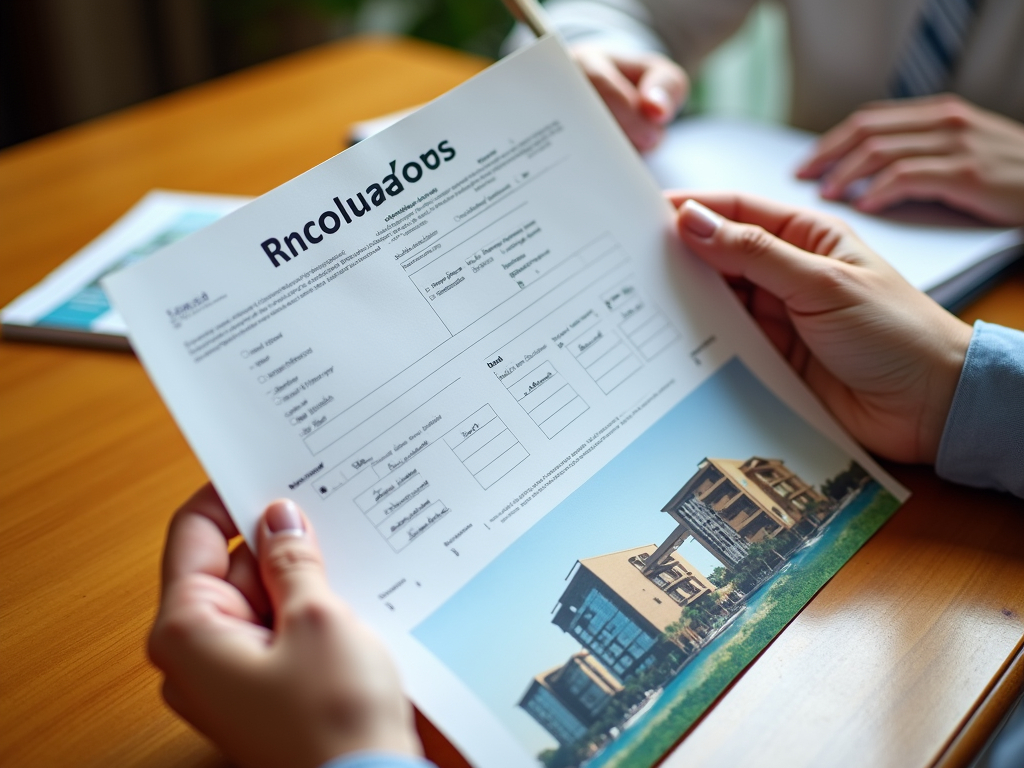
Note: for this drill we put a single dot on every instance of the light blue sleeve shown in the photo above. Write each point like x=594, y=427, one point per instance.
x=983, y=441
x=377, y=760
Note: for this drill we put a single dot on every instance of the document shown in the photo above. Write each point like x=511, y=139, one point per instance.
x=938, y=250
x=529, y=428
x=70, y=307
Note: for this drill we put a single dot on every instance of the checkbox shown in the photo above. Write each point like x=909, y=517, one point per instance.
x=262, y=379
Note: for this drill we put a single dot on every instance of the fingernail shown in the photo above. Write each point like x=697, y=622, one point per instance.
x=659, y=97
x=702, y=221
x=283, y=517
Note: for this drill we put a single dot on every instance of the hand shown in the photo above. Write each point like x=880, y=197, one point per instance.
x=881, y=355
x=643, y=90
x=261, y=656
x=939, y=148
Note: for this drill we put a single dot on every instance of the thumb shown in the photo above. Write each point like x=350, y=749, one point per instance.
x=753, y=253
x=289, y=558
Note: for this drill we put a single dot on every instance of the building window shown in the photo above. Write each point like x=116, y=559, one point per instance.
x=639, y=561
x=721, y=495
x=608, y=633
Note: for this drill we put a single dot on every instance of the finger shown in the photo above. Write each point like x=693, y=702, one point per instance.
x=878, y=152
x=944, y=179
x=917, y=116
x=204, y=622
x=661, y=83
x=804, y=281
x=738, y=206
x=244, y=575
x=622, y=98
x=809, y=230
x=197, y=540
x=290, y=560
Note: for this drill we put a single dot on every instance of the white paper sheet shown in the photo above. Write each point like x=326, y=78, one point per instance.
x=927, y=244
x=435, y=377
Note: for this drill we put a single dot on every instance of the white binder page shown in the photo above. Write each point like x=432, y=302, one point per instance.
x=472, y=348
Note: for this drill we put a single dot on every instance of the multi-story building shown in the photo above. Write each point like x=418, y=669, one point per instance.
x=618, y=605
x=729, y=504
x=568, y=699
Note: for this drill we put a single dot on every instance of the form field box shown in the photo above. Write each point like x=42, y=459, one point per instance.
x=590, y=345
x=557, y=400
x=647, y=328
x=403, y=532
x=469, y=427
x=388, y=488
x=490, y=451
x=479, y=438
x=502, y=465
x=604, y=356
x=659, y=341
x=461, y=286
x=563, y=417
x=485, y=446
x=547, y=397
x=619, y=373
x=547, y=389
x=611, y=359
x=525, y=389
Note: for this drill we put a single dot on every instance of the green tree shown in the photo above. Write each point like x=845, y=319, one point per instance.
x=763, y=553
x=836, y=487
x=720, y=576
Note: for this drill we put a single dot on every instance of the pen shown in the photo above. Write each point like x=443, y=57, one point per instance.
x=530, y=13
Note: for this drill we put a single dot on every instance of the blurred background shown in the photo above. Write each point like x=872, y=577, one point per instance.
x=66, y=61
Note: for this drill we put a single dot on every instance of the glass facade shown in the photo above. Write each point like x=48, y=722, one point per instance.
x=556, y=719
x=612, y=636
x=575, y=686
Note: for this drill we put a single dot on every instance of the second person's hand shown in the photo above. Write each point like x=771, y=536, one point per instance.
x=644, y=91
x=937, y=148
x=881, y=355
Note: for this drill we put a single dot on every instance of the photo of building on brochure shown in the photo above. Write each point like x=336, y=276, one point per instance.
x=604, y=632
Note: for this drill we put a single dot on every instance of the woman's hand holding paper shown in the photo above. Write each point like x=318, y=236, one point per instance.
x=939, y=148
x=260, y=655
x=643, y=90
x=880, y=354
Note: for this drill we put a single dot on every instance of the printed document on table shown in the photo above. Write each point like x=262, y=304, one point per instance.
x=435, y=341
x=68, y=305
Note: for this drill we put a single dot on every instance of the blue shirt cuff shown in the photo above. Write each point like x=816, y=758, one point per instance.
x=377, y=760
x=983, y=441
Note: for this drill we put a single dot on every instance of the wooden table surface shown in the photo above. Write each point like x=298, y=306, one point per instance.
x=908, y=657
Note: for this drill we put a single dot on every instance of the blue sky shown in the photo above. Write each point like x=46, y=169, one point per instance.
x=496, y=632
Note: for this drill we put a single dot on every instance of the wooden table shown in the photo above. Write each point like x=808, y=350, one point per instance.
x=907, y=658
